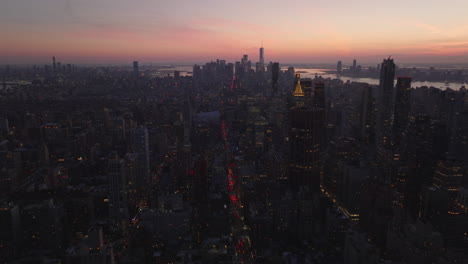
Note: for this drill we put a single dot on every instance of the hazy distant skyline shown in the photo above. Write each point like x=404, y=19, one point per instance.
x=177, y=31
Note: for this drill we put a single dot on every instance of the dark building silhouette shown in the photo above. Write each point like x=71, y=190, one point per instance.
x=402, y=108
x=54, y=65
x=135, y=68
x=262, y=59
x=275, y=69
x=385, y=102
x=117, y=180
x=367, y=117
x=142, y=150
x=306, y=86
x=319, y=94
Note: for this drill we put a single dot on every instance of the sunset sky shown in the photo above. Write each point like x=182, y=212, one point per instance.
x=188, y=31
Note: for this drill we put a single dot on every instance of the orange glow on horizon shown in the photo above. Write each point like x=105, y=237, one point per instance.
x=290, y=33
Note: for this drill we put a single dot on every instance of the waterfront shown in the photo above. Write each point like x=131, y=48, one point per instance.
x=327, y=73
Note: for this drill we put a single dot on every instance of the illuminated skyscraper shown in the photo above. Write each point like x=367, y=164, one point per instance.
x=298, y=92
x=306, y=128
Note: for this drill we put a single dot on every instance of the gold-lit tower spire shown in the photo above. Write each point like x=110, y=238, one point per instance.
x=298, y=92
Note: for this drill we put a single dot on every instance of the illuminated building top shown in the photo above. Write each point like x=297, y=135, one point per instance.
x=298, y=90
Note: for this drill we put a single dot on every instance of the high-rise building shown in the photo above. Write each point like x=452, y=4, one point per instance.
x=187, y=116
x=339, y=67
x=319, y=94
x=448, y=176
x=141, y=142
x=319, y=102
x=245, y=58
x=307, y=89
x=305, y=131
x=275, y=69
x=385, y=102
x=367, y=115
x=118, y=207
x=135, y=68
x=298, y=92
x=196, y=71
x=262, y=59
x=402, y=108
x=238, y=69
x=246, y=63
x=54, y=65
x=259, y=67
x=4, y=127
x=304, y=138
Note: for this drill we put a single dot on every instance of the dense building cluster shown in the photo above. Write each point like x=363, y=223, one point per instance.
x=231, y=163
x=443, y=73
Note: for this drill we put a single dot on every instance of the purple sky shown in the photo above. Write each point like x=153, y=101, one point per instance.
x=302, y=31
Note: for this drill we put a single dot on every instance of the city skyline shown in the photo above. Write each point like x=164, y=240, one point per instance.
x=233, y=162
x=179, y=32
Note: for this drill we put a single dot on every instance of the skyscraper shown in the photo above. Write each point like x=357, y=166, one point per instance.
x=259, y=67
x=262, y=60
x=319, y=94
x=245, y=58
x=306, y=128
x=275, y=76
x=4, y=128
x=385, y=101
x=135, y=68
x=54, y=65
x=367, y=115
x=339, y=67
x=246, y=63
x=176, y=75
x=304, y=138
x=118, y=207
x=306, y=86
x=187, y=116
x=402, y=108
x=141, y=146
